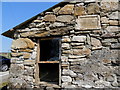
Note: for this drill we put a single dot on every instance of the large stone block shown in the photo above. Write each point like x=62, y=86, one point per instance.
x=50, y=18
x=79, y=38
x=22, y=43
x=95, y=42
x=88, y=22
x=109, y=5
x=93, y=8
x=114, y=15
x=113, y=29
x=65, y=18
x=26, y=34
x=84, y=51
x=67, y=9
x=79, y=10
x=66, y=79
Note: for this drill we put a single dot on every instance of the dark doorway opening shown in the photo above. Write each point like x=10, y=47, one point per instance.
x=49, y=49
x=49, y=72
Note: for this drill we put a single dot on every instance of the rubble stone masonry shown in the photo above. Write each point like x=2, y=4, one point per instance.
x=90, y=45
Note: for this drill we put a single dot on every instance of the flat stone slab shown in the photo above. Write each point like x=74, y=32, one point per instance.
x=88, y=22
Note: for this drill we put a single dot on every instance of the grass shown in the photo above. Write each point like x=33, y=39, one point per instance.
x=3, y=84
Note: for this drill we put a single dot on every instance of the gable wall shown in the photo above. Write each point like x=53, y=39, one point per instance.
x=90, y=45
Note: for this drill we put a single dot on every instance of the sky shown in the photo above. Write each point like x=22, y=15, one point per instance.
x=14, y=13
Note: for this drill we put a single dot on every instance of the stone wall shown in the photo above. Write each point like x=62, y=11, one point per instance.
x=90, y=45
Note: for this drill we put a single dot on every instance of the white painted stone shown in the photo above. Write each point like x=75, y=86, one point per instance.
x=66, y=79
x=79, y=38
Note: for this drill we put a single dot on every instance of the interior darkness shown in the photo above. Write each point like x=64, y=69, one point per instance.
x=49, y=72
x=49, y=50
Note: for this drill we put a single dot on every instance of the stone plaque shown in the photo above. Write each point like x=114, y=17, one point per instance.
x=88, y=22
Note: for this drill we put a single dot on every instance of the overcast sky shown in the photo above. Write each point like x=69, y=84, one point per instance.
x=14, y=13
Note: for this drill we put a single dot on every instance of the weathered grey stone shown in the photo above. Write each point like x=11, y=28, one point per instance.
x=115, y=84
x=28, y=70
x=119, y=40
x=67, y=52
x=67, y=9
x=80, y=77
x=78, y=47
x=93, y=8
x=108, y=35
x=79, y=10
x=115, y=46
x=95, y=42
x=57, y=24
x=79, y=38
x=109, y=5
x=75, y=56
x=66, y=79
x=114, y=15
x=16, y=69
x=69, y=72
x=84, y=84
x=41, y=25
x=104, y=20
x=49, y=88
x=29, y=62
x=102, y=83
x=32, y=25
x=110, y=78
x=65, y=18
x=50, y=18
x=68, y=85
x=112, y=40
x=74, y=60
x=77, y=44
x=26, y=34
x=84, y=51
x=22, y=43
x=76, y=68
x=24, y=30
x=33, y=55
x=113, y=29
x=88, y=22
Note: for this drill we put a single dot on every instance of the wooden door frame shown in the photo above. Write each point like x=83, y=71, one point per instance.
x=37, y=78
